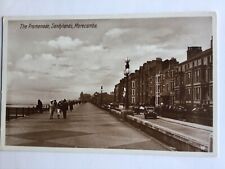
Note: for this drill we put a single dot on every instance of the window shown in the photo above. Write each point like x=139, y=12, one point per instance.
x=183, y=68
x=210, y=92
x=199, y=62
x=188, y=94
x=171, y=86
x=177, y=94
x=195, y=63
x=133, y=92
x=156, y=79
x=187, y=66
x=210, y=75
x=210, y=59
x=197, y=92
x=133, y=84
x=204, y=73
x=205, y=61
x=133, y=100
x=188, y=78
x=179, y=69
x=198, y=75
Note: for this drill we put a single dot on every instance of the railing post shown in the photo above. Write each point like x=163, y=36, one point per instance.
x=16, y=112
x=23, y=112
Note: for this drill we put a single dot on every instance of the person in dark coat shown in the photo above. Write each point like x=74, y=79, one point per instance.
x=39, y=106
x=64, y=108
x=71, y=105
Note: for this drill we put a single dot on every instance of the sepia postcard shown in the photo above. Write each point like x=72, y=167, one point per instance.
x=127, y=82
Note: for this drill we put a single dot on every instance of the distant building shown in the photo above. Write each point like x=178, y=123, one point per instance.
x=170, y=82
x=195, y=83
x=102, y=98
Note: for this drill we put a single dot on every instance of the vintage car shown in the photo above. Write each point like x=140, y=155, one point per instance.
x=150, y=112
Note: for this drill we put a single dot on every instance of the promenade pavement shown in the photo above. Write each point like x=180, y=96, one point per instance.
x=87, y=126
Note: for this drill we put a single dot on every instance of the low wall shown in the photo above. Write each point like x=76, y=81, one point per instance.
x=169, y=137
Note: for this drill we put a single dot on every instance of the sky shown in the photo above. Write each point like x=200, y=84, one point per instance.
x=61, y=63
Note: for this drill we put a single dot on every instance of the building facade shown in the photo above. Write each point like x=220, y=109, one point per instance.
x=169, y=82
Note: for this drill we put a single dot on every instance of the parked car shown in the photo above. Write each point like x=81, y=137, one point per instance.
x=199, y=110
x=150, y=112
x=181, y=109
x=136, y=109
x=141, y=109
x=121, y=106
x=112, y=106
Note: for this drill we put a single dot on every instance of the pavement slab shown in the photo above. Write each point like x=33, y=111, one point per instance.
x=87, y=126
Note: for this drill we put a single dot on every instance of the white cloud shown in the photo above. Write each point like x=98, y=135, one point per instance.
x=64, y=43
x=27, y=57
x=93, y=48
x=42, y=64
x=52, y=64
x=48, y=57
x=32, y=77
x=145, y=48
x=116, y=32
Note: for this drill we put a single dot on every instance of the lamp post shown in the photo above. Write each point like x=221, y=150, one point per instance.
x=126, y=73
x=101, y=96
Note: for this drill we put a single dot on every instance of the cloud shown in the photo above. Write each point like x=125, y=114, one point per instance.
x=64, y=63
x=27, y=57
x=48, y=57
x=39, y=65
x=64, y=43
x=116, y=32
x=94, y=48
x=145, y=49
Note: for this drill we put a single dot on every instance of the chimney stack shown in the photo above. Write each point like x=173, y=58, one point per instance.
x=193, y=51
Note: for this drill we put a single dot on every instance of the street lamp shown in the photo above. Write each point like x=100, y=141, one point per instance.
x=101, y=96
x=126, y=73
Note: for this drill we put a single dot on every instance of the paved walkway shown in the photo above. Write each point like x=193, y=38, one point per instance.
x=85, y=127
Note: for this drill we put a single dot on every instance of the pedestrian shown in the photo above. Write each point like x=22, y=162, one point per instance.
x=64, y=108
x=39, y=106
x=51, y=109
x=71, y=105
x=59, y=109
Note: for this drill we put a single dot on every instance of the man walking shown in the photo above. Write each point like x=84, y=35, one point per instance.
x=64, y=108
x=51, y=109
x=39, y=106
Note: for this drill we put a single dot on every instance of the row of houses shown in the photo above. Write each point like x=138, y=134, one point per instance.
x=169, y=82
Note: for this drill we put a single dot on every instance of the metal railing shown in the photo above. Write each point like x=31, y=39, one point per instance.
x=16, y=112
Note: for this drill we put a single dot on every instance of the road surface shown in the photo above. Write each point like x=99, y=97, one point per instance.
x=87, y=126
x=195, y=131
